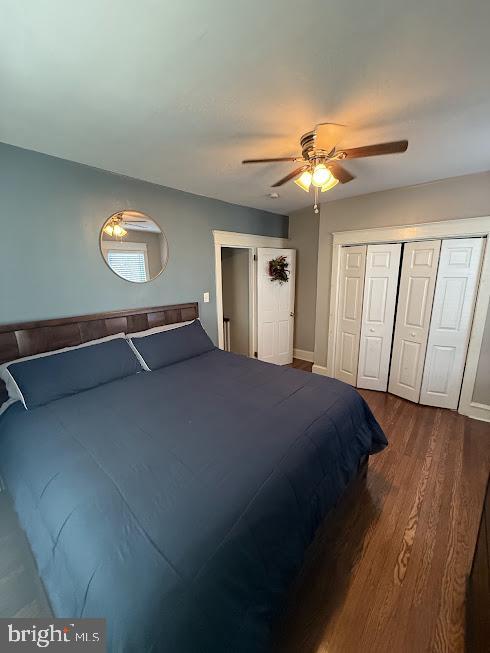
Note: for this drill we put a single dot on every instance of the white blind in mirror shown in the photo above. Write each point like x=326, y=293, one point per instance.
x=129, y=265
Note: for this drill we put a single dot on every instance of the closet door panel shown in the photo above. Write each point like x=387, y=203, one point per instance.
x=417, y=283
x=352, y=267
x=454, y=300
x=409, y=363
x=380, y=286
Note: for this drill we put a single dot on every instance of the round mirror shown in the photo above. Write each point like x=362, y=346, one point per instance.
x=134, y=246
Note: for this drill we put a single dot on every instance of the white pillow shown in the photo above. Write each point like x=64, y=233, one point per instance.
x=149, y=332
x=159, y=329
x=13, y=389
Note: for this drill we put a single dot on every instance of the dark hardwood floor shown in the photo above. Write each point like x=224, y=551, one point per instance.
x=389, y=569
x=302, y=365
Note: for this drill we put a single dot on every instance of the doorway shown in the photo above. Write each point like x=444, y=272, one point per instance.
x=270, y=301
x=235, y=273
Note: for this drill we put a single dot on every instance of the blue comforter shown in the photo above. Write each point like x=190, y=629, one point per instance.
x=179, y=503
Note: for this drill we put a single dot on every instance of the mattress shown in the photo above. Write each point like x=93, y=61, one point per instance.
x=178, y=504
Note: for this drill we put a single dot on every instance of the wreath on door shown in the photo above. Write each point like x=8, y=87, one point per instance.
x=278, y=269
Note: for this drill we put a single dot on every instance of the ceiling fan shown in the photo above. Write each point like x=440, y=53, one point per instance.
x=320, y=158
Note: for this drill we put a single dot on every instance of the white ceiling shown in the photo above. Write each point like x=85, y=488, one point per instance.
x=178, y=92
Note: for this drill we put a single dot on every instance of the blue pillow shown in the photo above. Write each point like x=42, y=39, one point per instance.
x=168, y=347
x=41, y=380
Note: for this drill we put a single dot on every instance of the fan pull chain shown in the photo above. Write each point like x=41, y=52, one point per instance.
x=315, y=207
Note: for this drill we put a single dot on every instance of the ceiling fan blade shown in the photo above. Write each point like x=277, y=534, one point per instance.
x=284, y=158
x=291, y=175
x=328, y=135
x=340, y=173
x=375, y=150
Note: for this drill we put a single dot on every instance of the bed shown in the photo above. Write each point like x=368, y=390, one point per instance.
x=178, y=504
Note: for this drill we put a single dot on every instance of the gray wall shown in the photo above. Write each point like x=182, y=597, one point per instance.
x=303, y=234
x=235, y=278
x=51, y=213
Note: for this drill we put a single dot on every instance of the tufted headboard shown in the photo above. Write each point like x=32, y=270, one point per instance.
x=30, y=338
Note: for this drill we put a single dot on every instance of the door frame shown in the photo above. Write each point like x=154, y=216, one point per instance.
x=238, y=240
x=461, y=228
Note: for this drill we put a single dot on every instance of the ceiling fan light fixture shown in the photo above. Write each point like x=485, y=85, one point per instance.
x=320, y=158
x=304, y=180
x=321, y=175
x=330, y=184
x=114, y=228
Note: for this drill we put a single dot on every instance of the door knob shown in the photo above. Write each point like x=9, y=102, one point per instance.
x=412, y=334
x=372, y=330
x=291, y=314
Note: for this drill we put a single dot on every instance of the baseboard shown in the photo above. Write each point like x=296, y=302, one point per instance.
x=304, y=355
x=476, y=411
x=319, y=369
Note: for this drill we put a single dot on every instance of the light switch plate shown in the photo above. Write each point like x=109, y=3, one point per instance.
x=206, y=297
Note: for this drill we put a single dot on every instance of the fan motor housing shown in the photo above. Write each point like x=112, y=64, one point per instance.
x=307, y=142
x=310, y=152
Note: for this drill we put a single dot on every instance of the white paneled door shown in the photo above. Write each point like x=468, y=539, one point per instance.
x=275, y=308
x=378, y=315
x=449, y=333
x=417, y=283
x=352, y=267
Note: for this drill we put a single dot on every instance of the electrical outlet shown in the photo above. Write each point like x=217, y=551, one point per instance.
x=206, y=298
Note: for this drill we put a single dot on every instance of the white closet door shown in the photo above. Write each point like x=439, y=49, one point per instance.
x=454, y=299
x=352, y=266
x=417, y=283
x=378, y=315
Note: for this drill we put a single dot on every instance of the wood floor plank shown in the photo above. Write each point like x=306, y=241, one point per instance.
x=392, y=573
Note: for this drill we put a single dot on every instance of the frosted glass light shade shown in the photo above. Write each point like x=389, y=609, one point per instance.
x=321, y=175
x=304, y=180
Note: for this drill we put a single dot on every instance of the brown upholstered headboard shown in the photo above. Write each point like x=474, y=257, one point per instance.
x=30, y=338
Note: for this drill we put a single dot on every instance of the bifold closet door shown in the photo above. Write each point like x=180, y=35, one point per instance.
x=449, y=333
x=417, y=283
x=378, y=315
x=352, y=266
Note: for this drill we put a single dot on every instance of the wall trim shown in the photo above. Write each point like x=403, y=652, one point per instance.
x=245, y=241
x=466, y=404
x=466, y=227
x=476, y=411
x=237, y=239
x=304, y=355
x=479, y=226
x=320, y=369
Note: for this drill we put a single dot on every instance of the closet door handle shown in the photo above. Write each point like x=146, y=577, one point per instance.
x=371, y=330
x=412, y=335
